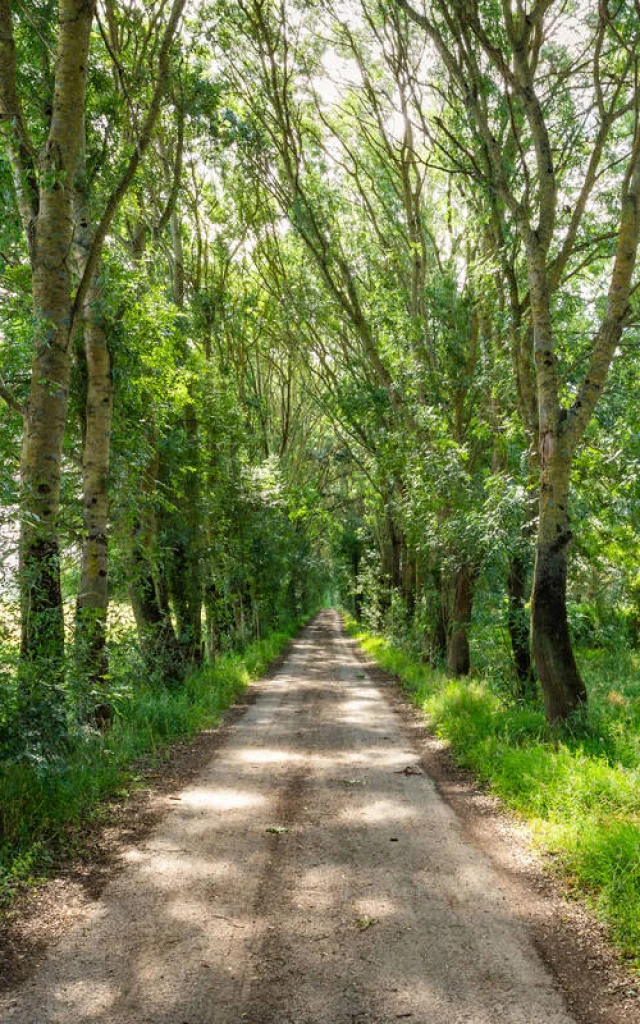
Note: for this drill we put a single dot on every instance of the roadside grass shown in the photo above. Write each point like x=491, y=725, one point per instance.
x=579, y=792
x=43, y=801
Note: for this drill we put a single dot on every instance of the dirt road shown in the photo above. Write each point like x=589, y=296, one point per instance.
x=312, y=876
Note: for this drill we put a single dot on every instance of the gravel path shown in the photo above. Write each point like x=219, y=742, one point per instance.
x=312, y=876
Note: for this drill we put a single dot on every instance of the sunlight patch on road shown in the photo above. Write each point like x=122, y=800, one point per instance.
x=363, y=720
x=170, y=871
x=372, y=757
x=361, y=702
x=133, y=856
x=373, y=909
x=80, y=998
x=381, y=811
x=322, y=883
x=255, y=756
x=220, y=799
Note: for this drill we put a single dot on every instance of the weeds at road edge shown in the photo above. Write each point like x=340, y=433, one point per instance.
x=580, y=794
x=45, y=803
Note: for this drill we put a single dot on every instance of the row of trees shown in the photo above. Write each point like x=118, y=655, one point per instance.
x=467, y=195
x=166, y=457
x=297, y=279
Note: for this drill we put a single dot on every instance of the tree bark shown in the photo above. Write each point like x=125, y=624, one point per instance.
x=438, y=640
x=42, y=641
x=391, y=563
x=211, y=607
x=563, y=689
x=186, y=574
x=518, y=624
x=92, y=663
x=408, y=579
x=158, y=640
x=93, y=594
x=357, y=589
x=458, y=654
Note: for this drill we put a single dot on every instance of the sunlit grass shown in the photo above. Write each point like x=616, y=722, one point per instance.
x=580, y=792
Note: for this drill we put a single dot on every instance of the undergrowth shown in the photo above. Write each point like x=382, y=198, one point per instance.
x=579, y=792
x=44, y=800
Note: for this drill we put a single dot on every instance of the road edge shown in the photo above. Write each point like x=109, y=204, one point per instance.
x=40, y=914
x=573, y=945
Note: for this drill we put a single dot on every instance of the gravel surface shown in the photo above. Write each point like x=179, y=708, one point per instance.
x=311, y=874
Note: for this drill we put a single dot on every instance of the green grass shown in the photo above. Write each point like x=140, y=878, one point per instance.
x=580, y=793
x=44, y=802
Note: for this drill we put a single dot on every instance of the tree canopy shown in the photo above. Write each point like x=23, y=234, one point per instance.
x=306, y=302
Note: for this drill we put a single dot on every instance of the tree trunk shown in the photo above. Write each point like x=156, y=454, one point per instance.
x=191, y=626
x=458, y=655
x=438, y=644
x=184, y=579
x=563, y=689
x=357, y=590
x=93, y=595
x=41, y=676
x=186, y=563
x=211, y=607
x=148, y=587
x=397, y=543
x=155, y=629
x=92, y=604
x=518, y=625
x=42, y=621
x=408, y=579
x=391, y=564
x=42, y=641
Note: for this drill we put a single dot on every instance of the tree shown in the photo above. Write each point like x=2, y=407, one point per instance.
x=45, y=186
x=546, y=126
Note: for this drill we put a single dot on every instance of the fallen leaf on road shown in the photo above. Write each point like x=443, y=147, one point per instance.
x=362, y=923
x=277, y=830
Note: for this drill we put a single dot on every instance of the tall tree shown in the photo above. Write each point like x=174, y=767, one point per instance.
x=45, y=186
x=553, y=121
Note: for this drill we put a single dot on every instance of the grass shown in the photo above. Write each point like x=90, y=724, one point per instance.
x=580, y=793
x=44, y=801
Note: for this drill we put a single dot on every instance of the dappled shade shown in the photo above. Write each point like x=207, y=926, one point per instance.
x=363, y=903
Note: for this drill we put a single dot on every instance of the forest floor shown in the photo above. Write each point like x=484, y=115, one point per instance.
x=325, y=863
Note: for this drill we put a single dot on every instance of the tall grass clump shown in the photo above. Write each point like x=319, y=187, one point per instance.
x=579, y=791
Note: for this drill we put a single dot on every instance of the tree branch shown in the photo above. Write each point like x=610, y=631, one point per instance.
x=11, y=400
x=13, y=128
x=617, y=304
x=141, y=147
